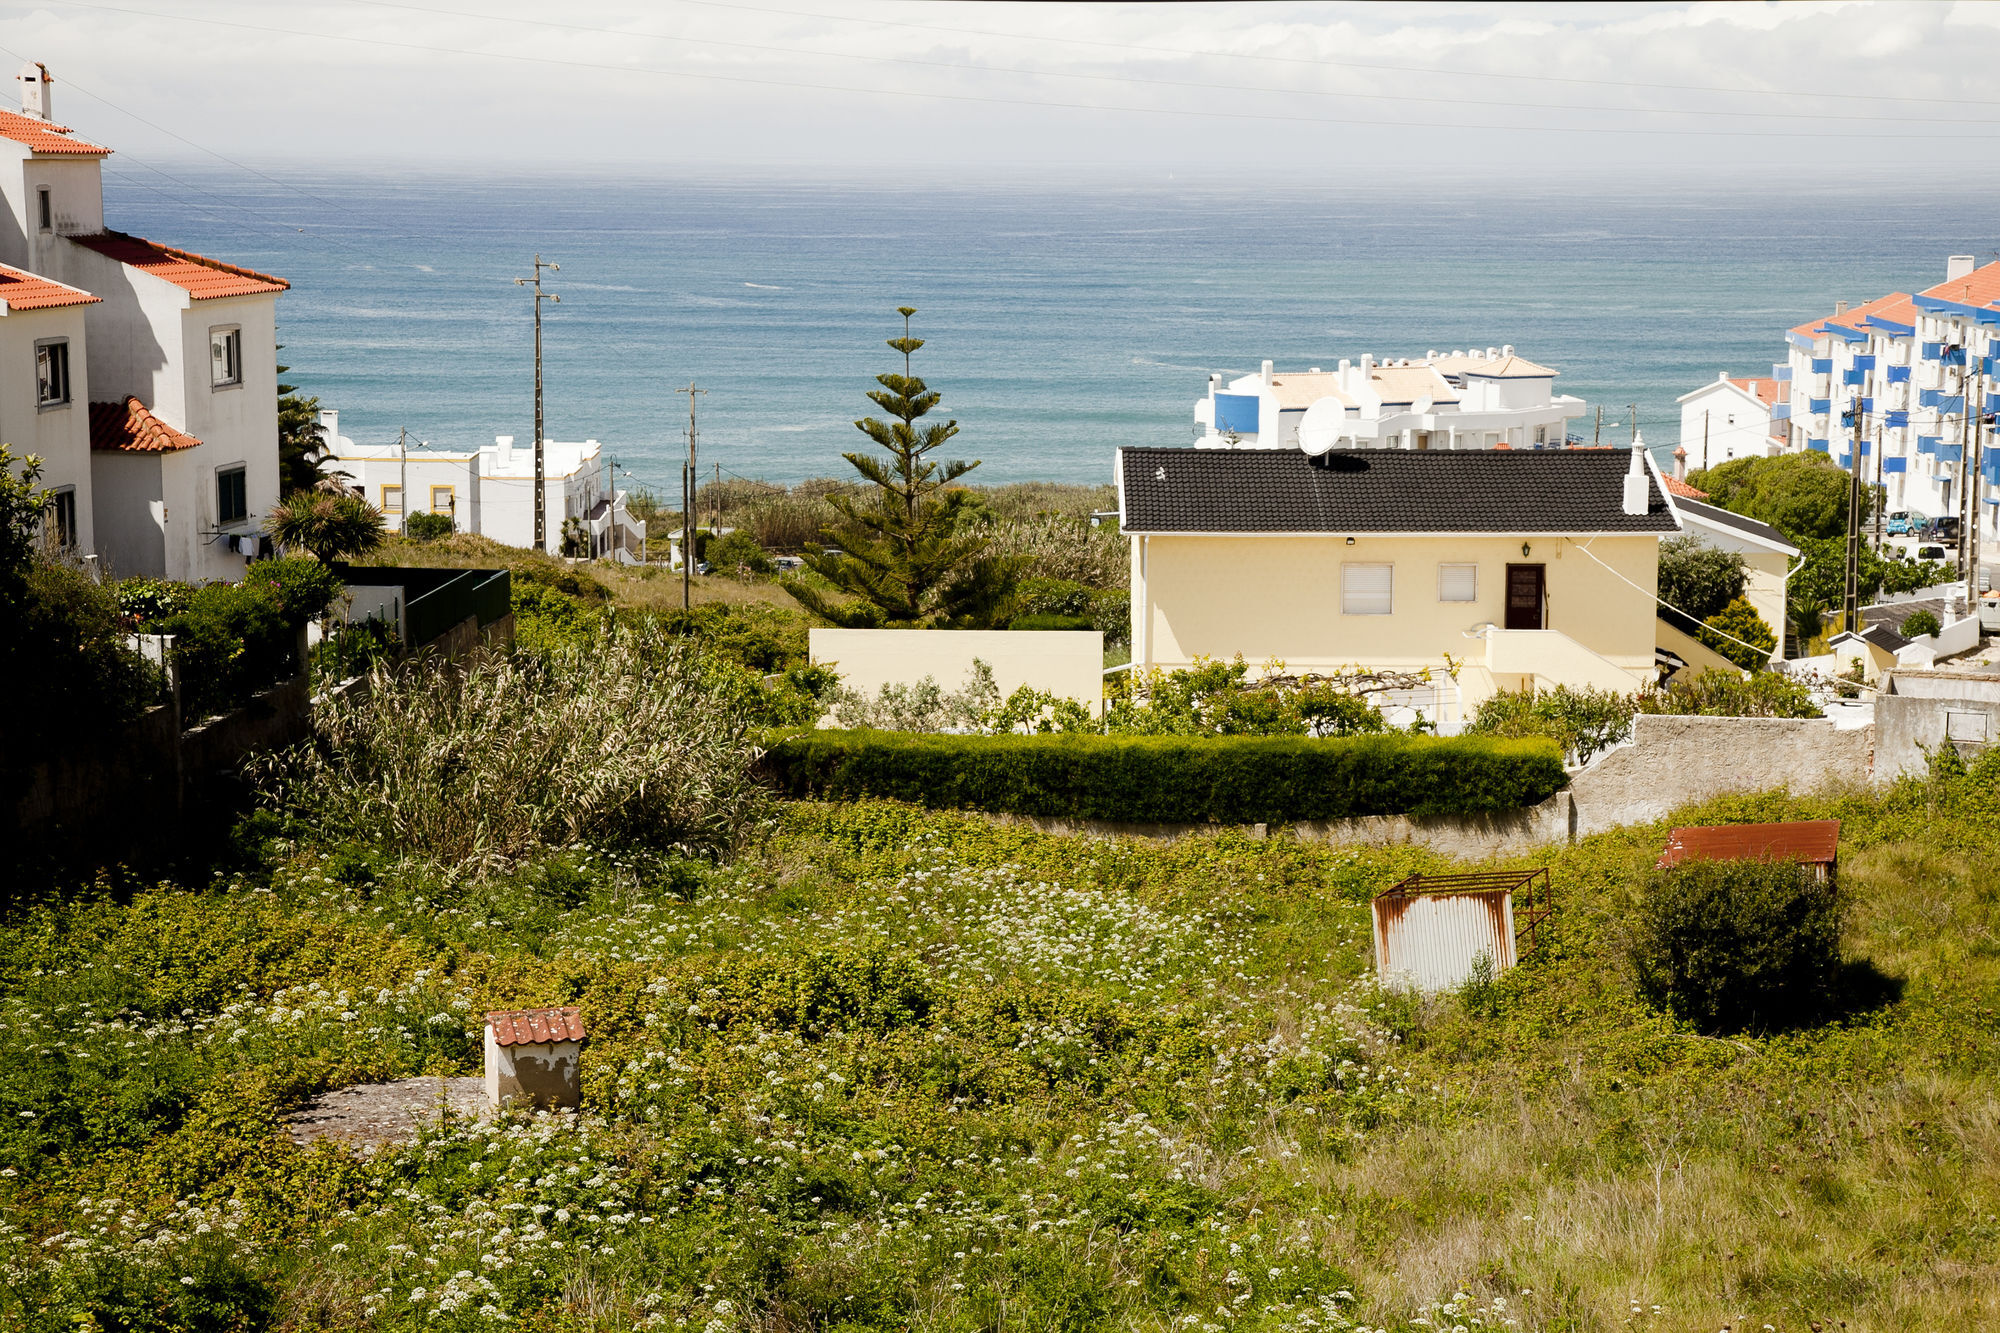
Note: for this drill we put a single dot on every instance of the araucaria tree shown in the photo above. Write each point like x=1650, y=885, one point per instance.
x=903, y=552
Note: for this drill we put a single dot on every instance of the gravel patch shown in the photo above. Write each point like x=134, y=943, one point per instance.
x=378, y=1114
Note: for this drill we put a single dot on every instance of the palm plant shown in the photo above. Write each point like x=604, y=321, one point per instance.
x=332, y=527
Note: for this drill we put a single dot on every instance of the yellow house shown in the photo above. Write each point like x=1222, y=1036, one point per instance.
x=1767, y=561
x=1518, y=567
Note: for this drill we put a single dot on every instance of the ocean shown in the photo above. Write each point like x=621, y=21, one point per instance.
x=1061, y=321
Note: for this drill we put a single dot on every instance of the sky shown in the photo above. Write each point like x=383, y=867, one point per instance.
x=1551, y=98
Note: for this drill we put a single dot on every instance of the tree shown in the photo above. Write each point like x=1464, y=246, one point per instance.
x=1803, y=495
x=332, y=527
x=1749, y=642
x=22, y=504
x=300, y=444
x=1917, y=624
x=903, y=553
x=1699, y=580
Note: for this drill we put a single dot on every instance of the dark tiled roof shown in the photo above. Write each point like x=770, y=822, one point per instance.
x=1728, y=519
x=1385, y=490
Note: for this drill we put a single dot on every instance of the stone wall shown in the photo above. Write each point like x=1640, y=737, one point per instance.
x=1919, y=711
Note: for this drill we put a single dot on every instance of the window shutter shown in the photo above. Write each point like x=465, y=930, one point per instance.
x=1458, y=583
x=1367, y=590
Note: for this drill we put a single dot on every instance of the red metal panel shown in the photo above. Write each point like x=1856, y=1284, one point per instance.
x=1809, y=842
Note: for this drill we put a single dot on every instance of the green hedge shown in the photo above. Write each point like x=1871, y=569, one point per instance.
x=1172, y=779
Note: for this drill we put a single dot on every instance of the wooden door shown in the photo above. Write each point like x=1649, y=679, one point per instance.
x=1524, y=596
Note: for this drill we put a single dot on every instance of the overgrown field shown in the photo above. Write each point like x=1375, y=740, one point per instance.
x=891, y=1069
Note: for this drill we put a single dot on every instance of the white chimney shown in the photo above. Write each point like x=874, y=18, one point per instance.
x=1268, y=372
x=1638, y=486
x=1839, y=308
x=1314, y=369
x=329, y=426
x=35, y=83
x=1508, y=350
x=506, y=443
x=1959, y=266
x=1492, y=354
x=1431, y=355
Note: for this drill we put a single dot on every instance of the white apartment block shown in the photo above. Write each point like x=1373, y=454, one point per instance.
x=490, y=490
x=1732, y=417
x=1460, y=400
x=144, y=376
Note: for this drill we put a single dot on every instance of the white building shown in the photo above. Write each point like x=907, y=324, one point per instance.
x=160, y=365
x=490, y=490
x=1851, y=395
x=1735, y=416
x=1463, y=400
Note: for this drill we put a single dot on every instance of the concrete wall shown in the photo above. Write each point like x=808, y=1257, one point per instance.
x=76, y=201
x=59, y=436
x=131, y=512
x=1675, y=760
x=1280, y=597
x=1067, y=663
x=1917, y=711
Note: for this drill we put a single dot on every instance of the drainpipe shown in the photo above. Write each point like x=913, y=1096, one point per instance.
x=1146, y=602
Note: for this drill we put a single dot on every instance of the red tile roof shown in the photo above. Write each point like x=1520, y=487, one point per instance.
x=520, y=1027
x=1979, y=287
x=1897, y=307
x=43, y=136
x=1675, y=486
x=22, y=290
x=1812, y=842
x=129, y=428
x=1766, y=391
x=203, y=279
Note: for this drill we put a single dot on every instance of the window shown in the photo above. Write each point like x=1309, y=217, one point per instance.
x=1458, y=583
x=441, y=500
x=52, y=373
x=1367, y=590
x=47, y=214
x=62, y=518
x=225, y=357
x=232, y=496
x=1541, y=435
x=392, y=499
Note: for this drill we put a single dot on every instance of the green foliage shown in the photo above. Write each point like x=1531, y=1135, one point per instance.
x=547, y=619
x=231, y=640
x=64, y=667
x=428, y=527
x=1171, y=779
x=1803, y=495
x=1580, y=721
x=1738, y=945
x=1725, y=694
x=1740, y=634
x=354, y=650
x=302, y=590
x=1216, y=698
x=22, y=505
x=1045, y=603
x=331, y=527
x=1819, y=584
x=145, y=599
x=1697, y=579
x=301, y=446
x=904, y=554
x=1910, y=575
x=1918, y=624
x=738, y=549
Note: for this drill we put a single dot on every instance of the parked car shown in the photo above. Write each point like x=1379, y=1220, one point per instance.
x=1904, y=522
x=1941, y=529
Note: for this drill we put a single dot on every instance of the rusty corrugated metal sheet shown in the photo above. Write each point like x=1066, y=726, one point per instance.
x=1431, y=940
x=1813, y=842
x=522, y=1027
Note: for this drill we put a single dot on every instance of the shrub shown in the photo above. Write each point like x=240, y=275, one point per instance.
x=332, y=527
x=1051, y=623
x=1725, y=694
x=302, y=590
x=790, y=522
x=64, y=667
x=146, y=599
x=354, y=650
x=1581, y=721
x=1171, y=779
x=737, y=548
x=547, y=619
x=1918, y=624
x=428, y=527
x=1736, y=945
x=1039, y=601
x=1740, y=634
x=1699, y=580
x=619, y=741
x=230, y=641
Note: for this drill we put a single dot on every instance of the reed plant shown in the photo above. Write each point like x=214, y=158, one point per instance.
x=472, y=765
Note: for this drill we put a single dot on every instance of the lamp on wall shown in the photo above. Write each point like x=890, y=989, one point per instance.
x=1524, y=550
x=1350, y=541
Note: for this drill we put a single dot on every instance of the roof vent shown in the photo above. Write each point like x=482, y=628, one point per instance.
x=1839, y=309
x=35, y=81
x=1959, y=266
x=1508, y=350
x=1269, y=370
x=506, y=443
x=1638, y=487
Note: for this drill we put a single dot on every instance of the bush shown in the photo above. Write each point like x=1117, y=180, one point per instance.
x=301, y=589
x=1918, y=624
x=1699, y=580
x=620, y=741
x=1738, y=945
x=1171, y=779
x=1039, y=602
x=1725, y=694
x=738, y=548
x=1581, y=721
x=231, y=640
x=64, y=666
x=428, y=527
x=1740, y=634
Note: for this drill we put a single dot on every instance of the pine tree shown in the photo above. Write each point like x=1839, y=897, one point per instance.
x=903, y=552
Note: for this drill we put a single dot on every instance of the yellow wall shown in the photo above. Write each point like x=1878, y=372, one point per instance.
x=1266, y=597
x=1764, y=588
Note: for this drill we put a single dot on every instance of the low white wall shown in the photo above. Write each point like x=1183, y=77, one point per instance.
x=1961, y=636
x=1067, y=663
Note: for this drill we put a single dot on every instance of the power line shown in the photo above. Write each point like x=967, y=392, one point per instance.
x=1155, y=82
x=1176, y=112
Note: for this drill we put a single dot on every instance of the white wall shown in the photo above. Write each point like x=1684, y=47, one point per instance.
x=1067, y=663
x=130, y=515
x=60, y=436
x=76, y=202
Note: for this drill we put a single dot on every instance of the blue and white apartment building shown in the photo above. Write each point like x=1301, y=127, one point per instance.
x=1886, y=384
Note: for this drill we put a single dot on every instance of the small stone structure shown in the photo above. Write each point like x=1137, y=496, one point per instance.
x=534, y=1057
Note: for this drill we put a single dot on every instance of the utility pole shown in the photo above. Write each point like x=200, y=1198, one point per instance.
x=1850, y=602
x=403, y=478
x=1967, y=485
x=1881, y=487
x=1704, y=441
x=715, y=500
x=1634, y=408
x=687, y=504
x=1597, y=435
x=1974, y=403
x=541, y=527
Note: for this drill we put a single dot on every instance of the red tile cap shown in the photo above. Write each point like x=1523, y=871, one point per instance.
x=22, y=290
x=1675, y=486
x=1810, y=842
x=130, y=428
x=522, y=1027
x=202, y=278
x=43, y=136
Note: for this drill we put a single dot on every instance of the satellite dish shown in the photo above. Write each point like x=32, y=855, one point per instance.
x=1321, y=427
x=1422, y=405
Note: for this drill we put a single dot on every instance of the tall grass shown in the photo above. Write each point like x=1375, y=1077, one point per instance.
x=475, y=765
